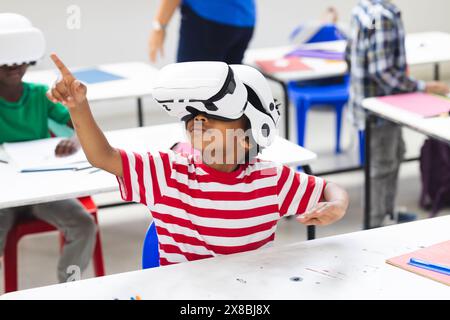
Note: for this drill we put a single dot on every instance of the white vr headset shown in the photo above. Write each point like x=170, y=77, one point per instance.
x=20, y=42
x=220, y=91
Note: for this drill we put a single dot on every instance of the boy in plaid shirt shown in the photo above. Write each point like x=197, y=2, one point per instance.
x=377, y=58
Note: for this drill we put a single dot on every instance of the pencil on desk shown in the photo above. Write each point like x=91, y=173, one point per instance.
x=85, y=168
x=45, y=170
x=3, y=161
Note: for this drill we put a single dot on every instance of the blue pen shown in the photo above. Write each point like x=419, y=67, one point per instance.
x=430, y=266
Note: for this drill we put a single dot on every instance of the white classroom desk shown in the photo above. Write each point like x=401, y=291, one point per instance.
x=137, y=83
x=321, y=68
x=19, y=189
x=348, y=266
x=435, y=127
x=421, y=48
x=427, y=48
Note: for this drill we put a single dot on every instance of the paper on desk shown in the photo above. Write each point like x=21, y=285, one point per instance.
x=287, y=64
x=422, y=104
x=319, y=54
x=332, y=46
x=91, y=76
x=40, y=154
x=438, y=253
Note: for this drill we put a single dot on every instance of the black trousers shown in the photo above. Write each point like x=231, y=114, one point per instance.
x=205, y=40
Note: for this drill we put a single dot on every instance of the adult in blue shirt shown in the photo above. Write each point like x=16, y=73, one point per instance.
x=210, y=30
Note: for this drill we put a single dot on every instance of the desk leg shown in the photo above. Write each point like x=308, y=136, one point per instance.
x=286, y=111
x=367, y=160
x=140, y=112
x=437, y=75
x=311, y=230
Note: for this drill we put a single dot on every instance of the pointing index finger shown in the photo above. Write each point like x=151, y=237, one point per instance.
x=65, y=72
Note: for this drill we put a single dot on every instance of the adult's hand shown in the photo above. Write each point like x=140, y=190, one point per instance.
x=161, y=20
x=156, y=44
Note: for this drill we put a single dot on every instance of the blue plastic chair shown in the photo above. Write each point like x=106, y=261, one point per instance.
x=150, y=250
x=306, y=94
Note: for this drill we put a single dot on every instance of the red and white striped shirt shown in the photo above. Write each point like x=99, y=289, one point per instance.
x=200, y=212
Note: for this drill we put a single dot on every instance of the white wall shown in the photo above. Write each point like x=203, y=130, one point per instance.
x=117, y=30
x=113, y=31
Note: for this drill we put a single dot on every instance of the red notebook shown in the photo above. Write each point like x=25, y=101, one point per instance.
x=438, y=254
x=283, y=65
x=423, y=104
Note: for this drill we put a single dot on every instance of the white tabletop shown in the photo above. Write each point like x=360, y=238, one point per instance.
x=348, y=266
x=320, y=68
x=138, y=80
x=29, y=188
x=421, y=48
x=437, y=127
x=427, y=47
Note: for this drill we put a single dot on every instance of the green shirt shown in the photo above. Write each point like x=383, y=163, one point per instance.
x=27, y=119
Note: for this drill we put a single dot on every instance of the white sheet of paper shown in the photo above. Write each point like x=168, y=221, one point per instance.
x=41, y=154
x=334, y=46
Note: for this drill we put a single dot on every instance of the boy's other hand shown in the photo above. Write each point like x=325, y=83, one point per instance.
x=67, y=89
x=324, y=213
x=437, y=87
x=67, y=147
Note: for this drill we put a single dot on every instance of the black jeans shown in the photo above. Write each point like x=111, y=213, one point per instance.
x=205, y=40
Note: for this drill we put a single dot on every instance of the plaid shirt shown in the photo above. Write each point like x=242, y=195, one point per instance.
x=376, y=55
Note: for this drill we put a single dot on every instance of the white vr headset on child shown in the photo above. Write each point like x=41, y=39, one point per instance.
x=20, y=42
x=220, y=91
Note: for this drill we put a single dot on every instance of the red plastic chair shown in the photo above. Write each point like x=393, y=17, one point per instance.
x=35, y=226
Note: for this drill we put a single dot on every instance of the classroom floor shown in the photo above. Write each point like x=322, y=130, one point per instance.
x=123, y=228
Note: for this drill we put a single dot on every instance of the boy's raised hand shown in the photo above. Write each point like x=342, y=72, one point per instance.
x=67, y=89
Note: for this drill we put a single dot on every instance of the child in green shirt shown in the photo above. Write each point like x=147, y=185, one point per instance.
x=24, y=114
x=23, y=105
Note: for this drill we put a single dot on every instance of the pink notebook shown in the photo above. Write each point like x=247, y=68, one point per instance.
x=423, y=104
x=438, y=254
x=283, y=65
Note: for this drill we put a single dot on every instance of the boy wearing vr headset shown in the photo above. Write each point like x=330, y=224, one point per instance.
x=227, y=201
x=24, y=114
